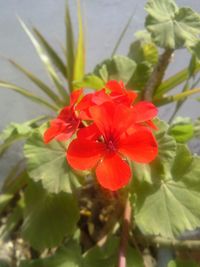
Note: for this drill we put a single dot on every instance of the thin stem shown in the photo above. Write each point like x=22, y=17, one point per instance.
x=157, y=74
x=168, y=242
x=179, y=244
x=124, y=234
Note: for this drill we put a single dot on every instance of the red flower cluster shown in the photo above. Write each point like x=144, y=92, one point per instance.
x=109, y=129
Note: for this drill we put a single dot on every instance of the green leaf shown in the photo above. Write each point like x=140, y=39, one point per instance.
x=48, y=217
x=182, y=263
x=154, y=171
x=69, y=47
x=107, y=255
x=67, y=256
x=197, y=128
x=140, y=51
x=16, y=179
x=53, y=56
x=79, y=61
x=169, y=206
x=175, y=80
x=166, y=143
x=173, y=98
x=47, y=62
x=89, y=81
x=182, y=129
x=28, y=95
x=40, y=84
x=15, y=132
x=140, y=76
x=47, y=163
x=122, y=35
x=13, y=220
x=117, y=68
x=4, y=200
x=172, y=27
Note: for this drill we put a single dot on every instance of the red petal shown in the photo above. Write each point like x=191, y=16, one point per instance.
x=84, y=154
x=144, y=111
x=112, y=119
x=113, y=173
x=141, y=146
x=103, y=116
x=115, y=86
x=66, y=113
x=152, y=125
x=75, y=96
x=56, y=128
x=120, y=94
x=90, y=132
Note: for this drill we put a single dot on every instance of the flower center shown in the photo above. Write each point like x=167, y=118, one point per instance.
x=111, y=145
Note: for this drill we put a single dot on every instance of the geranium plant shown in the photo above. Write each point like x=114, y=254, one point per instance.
x=104, y=181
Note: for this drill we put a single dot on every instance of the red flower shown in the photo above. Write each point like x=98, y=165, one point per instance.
x=119, y=94
x=107, y=143
x=67, y=122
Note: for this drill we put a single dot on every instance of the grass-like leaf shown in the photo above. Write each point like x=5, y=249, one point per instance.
x=40, y=84
x=122, y=35
x=28, y=95
x=45, y=59
x=79, y=63
x=169, y=99
x=53, y=55
x=69, y=48
x=175, y=80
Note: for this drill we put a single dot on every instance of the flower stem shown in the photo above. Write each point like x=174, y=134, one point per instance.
x=124, y=234
x=157, y=74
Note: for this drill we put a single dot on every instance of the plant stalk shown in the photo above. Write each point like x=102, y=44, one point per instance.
x=124, y=234
x=157, y=75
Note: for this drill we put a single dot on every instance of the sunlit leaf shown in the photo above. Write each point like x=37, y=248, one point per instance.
x=79, y=61
x=47, y=62
x=173, y=98
x=182, y=129
x=69, y=47
x=17, y=131
x=172, y=27
x=54, y=57
x=48, y=217
x=175, y=80
x=47, y=163
x=141, y=51
x=89, y=81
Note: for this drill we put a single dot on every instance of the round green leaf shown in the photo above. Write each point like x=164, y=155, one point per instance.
x=166, y=153
x=48, y=217
x=68, y=256
x=170, y=206
x=107, y=255
x=118, y=68
x=47, y=163
x=172, y=27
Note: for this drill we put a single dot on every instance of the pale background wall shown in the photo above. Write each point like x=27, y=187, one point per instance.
x=104, y=21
